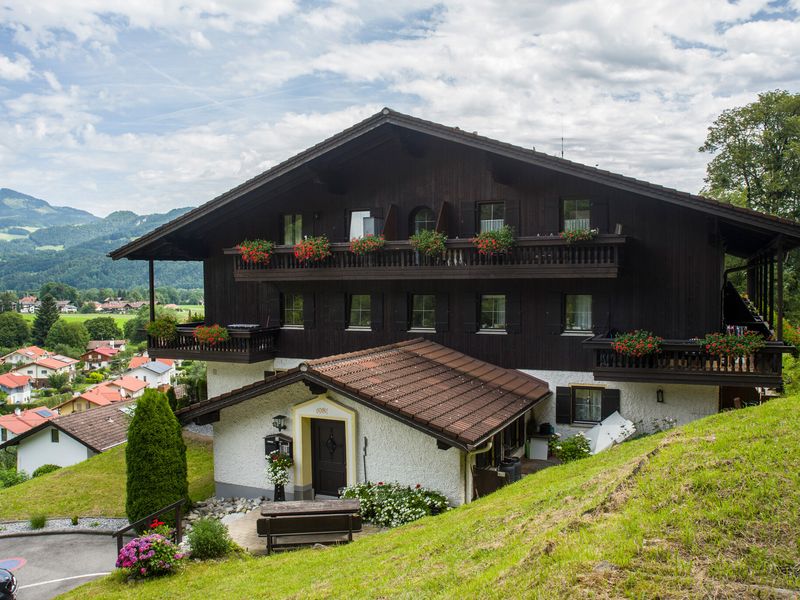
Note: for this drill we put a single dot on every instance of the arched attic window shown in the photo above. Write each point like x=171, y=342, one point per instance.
x=422, y=219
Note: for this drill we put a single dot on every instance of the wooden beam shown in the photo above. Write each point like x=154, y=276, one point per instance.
x=779, y=325
x=207, y=418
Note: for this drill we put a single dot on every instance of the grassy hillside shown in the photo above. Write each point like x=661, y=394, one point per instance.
x=96, y=487
x=707, y=510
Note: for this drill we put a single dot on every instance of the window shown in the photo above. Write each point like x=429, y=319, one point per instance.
x=292, y=229
x=576, y=214
x=54, y=435
x=423, y=311
x=492, y=216
x=587, y=404
x=423, y=220
x=3, y=435
x=493, y=312
x=357, y=223
x=578, y=312
x=291, y=310
x=360, y=311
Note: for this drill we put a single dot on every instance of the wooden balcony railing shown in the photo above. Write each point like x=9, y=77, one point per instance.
x=685, y=361
x=244, y=345
x=531, y=257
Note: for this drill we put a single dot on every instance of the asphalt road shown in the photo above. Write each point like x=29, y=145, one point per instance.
x=54, y=564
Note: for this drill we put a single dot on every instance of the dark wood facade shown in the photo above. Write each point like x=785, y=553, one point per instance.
x=666, y=273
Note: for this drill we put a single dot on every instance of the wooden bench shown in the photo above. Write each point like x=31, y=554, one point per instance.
x=334, y=526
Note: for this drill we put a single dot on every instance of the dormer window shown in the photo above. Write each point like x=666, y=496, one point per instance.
x=492, y=216
x=423, y=219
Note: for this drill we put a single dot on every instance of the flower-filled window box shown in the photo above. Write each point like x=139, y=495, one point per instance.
x=574, y=236
x=637, y=343
x=730, y=344
x=497, y=242
x=312, y=249
x=256, y=252
x=429, y=243
x=367, y=244
x=211, y=335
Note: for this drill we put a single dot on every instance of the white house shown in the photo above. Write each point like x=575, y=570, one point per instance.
x=40, y=370
x=432, y=407
x=18, y=388
x=21, y=421
x=24, y=356
x=98, y=358
x=127, y=386
x=71, y=439
x=154, y=373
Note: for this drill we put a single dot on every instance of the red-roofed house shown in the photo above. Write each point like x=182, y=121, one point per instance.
x=21, y=421
x=40, y=370
x=118, y=344
x=24, y=356
x=18, y=388
x=128, y=386
x=28, y=304
x=100, y=395
x=98, y=358
x=138, y=361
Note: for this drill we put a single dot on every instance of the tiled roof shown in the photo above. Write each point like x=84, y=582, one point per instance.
x=13, y=380
x=33, y=352
x=105, y=344
x=428, y=386
x=101, y=395
x=106, y=351
x=55, y=363
x=138, y=361
x=26, y=420
x=130, y=384
x=155, y=366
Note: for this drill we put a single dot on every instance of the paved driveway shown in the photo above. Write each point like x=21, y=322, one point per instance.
x=53, y=564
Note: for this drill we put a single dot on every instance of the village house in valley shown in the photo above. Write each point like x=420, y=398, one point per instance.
x=397, y=365
x=155, y=373
x=16, y=387
x=24, y=356
x=98, y=358
x=21, y=421
x=41, y=369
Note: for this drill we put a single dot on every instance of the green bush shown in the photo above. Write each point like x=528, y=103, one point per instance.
x=45, y=469
x=94, y=377
x=74, y=520
x=155, y=458
x=572, y=448
x=9, y=477
x=391, y=504
x=38, y=521
x=209, y=539
x=163, y=328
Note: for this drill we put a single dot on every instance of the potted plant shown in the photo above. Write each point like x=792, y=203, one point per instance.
x=312, y=249
x=277, y=473
x=637, y=343
x=730, y=344
x=164, y=328
x=257, y=252
x=368, y=243
x=495, y=243
x=579, y=235
x=211, y=335
x=429, y=243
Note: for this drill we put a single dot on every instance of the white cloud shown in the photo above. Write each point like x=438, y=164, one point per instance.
x=18, y=68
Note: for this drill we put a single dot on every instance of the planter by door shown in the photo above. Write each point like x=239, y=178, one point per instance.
x=280, y=493
x=329, y=463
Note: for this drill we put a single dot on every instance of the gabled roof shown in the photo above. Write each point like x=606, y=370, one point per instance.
x=100, y=395
x=138, y=361
x=138, y=249
x=32, y=352
x=451, y=396
x=130, y=384
x=93, y=344
x=13, y=380
x=26, y=420
x=98, y=429
x=55, y=363
x=155, y=366
x=106, y=351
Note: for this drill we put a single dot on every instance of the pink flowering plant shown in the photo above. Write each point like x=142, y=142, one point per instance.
x=574, y=236
x=211, y=335
x=730, y=344
x=368, y=243
x=256, y=252
x=637, y=343
x=148, y=556
x=497, y=242
x=393, y=504
x=312, y=249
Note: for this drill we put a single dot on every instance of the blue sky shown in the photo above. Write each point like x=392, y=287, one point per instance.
x=110, y=104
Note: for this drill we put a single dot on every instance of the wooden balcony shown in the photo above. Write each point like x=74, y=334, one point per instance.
x=532, y=257
x=244, y=345
x=684, y=361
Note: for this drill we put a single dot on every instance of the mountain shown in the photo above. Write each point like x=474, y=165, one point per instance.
x=72, y=247
x=21, y=210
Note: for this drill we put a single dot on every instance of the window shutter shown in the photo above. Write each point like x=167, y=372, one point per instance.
x=442, y=313
x=601, y=317
x=470, y=311
x=376, y=311
x=513, y=316
x=337, y=309
x=553, y=313
x=272, y=304
x=308, y=224
x=563, y=405
x=610, y=403
x=512, y=214
x=308, y=311
x=598, y=217
x=400, y=312
x=552, y=216
x=468, y=219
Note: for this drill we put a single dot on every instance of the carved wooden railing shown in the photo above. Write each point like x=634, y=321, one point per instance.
x=242, y=343
x=542, y=254
x=686, y=360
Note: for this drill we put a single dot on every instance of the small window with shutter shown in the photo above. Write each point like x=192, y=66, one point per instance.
x=585, y=404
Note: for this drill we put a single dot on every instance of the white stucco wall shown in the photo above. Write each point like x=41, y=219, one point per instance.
x=152, y=379
x=395, y=451
x=637, y=400
x=38, y=449
x=224, y=377
x=19, y=396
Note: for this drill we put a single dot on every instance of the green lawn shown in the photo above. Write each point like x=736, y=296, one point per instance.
x=120, y=319
x=96, y=487
x=707, y=510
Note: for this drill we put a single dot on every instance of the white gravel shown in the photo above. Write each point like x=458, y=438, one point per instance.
x=84, y=524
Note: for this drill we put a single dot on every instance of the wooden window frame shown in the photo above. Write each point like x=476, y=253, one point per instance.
x=432, y=311
x=294, y=216
x=562, y=209
x=481, y=328
x=572, y=390
x=55, y=437
x=283, y=310
x=491, y=203
x=361, y=310
x=350, y=220
x=566, y=329
x=412, y=225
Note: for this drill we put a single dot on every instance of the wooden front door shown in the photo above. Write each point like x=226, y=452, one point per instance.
x=328, y=462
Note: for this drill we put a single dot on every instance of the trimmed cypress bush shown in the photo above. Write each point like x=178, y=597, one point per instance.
x=155, y=457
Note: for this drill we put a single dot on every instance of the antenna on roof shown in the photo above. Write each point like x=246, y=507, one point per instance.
x=562, y=135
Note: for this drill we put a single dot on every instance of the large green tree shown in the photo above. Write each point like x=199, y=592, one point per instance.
x=155, y=458
x=67, y=333
x=46, y=316
x=756, y=152
x=7, y=301
x=103, y=328
x=59, y=291
x=14, y=330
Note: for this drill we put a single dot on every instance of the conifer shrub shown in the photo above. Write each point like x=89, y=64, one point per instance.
x=155, y=457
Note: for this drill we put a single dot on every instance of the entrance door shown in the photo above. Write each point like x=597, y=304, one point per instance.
x=328, y=462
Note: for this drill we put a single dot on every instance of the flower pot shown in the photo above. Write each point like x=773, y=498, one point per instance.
x=280, y=493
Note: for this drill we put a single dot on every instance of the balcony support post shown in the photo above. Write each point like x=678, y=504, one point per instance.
x=151, y=273
x=779, y=325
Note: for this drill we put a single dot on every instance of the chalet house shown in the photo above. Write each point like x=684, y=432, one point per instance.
x=28, y=304
x=69, y=439
x=40, y=370
x=154, y=373
x=17, y=387
x=21, y=421
x=98, y=358
x=100, y=395
x=398, y=365
x=116, y=344
x=25, y=356
x=66, y=307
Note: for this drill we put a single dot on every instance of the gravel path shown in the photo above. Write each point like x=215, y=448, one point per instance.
x=84, y=524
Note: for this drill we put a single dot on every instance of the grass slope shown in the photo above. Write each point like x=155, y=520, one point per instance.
x=710, y=509
x=96, y=487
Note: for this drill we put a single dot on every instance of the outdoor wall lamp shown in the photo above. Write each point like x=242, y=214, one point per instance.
x=660, y=395
x=279, y=422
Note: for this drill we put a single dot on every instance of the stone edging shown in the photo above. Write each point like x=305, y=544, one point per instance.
x=14, y=534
